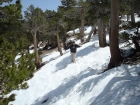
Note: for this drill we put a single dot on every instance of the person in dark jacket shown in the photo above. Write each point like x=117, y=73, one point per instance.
x=73, y=49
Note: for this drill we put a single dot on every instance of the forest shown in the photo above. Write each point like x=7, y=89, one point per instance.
x=19, y=33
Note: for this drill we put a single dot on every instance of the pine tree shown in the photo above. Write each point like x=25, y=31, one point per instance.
x=13, y=72
x=70, y=13
x=134, y=7
x=54, y=22
x=35, y=19
x=101, y=14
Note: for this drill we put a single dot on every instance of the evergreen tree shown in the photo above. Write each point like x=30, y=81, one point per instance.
x=63, y=27
x=51, y=38
x=35, y=23
x=134, y=7
x=68, y=4
x=82, y=4
x=13, y=72
x=70, y=13
x=69, y=19
x=75, y=10
x=101, y=15
x=54, y=21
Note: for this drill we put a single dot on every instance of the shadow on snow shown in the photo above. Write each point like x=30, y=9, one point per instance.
x=66, y=87
x=119, y=91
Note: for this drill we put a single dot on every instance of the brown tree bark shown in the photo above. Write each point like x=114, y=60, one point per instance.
x=73, y=30
x=64, y=39
x=58, y=42
x=104, y=36
x=91, y=32
x=95, y=31
x=37, y=63
x=114, y=43
x=82, y=23
x=101, y=34
x=127, y=17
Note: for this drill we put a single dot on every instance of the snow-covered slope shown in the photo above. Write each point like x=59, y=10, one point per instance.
x=61, y=82
x=86, y=29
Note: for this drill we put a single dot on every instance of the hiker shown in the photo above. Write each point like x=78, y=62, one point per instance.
x=73, y=48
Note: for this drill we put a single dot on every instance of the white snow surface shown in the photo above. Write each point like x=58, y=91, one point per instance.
x=61, y=82
x=86, y=29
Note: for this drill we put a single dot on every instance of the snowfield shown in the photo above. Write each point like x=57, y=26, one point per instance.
x=61, y=82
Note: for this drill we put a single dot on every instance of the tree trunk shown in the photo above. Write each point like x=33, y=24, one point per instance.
x=82, y=24
x=58, y=42
x=37, y=42
x=101, y=35
x=95, y=31
x=132, y=14
x=91, y=32
x=114, y=43
x=48, y=42
x=64, y=39
x=37, y=63
x=127, y=17
x=99, y=30
x=73, y=31
x=104, y=36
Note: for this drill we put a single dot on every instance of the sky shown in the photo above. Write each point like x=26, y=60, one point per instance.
x=43, y=4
